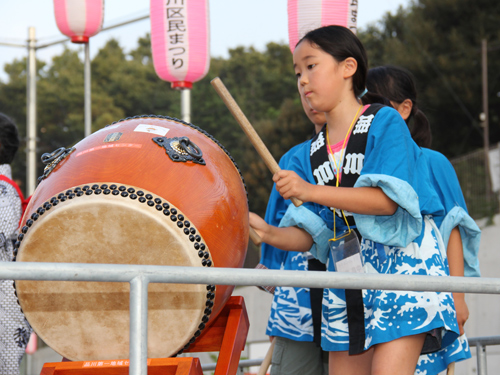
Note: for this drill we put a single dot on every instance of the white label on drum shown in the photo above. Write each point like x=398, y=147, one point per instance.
x=153, y=129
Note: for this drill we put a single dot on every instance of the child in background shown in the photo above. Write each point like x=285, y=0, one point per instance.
x=459, y=231
x=362, y=171
x=295, y=318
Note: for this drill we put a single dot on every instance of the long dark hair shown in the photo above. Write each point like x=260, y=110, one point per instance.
x=9, y=139
x=398, y=84
x=341, y=43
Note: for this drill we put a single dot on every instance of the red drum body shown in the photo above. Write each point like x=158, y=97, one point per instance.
x=146, y=190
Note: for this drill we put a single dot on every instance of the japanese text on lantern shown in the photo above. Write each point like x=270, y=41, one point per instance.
x=352, y=21
x=176, y=32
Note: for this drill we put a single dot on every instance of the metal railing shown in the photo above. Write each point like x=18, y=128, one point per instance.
x=139, y=277
x=481, y=343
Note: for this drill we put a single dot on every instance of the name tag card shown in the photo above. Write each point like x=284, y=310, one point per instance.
x=346, y=253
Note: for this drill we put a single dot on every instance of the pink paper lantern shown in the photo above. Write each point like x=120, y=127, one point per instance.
x=180, y=40
x=79, y=19
x=307, y=15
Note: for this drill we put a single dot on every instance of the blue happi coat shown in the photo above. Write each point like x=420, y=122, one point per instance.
x=447, y=186
x=290, y=315
x=407, y=242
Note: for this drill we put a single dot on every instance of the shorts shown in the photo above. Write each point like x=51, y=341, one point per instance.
x=298, y=358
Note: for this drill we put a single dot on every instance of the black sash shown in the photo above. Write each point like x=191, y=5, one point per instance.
x=316, y=296
x=351, y=169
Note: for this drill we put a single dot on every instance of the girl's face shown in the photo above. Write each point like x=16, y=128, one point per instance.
x=320, y=78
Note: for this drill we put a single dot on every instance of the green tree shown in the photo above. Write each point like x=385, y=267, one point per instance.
x=13, y=103
x=131, y=82
x=263, y=84
x=124, y=85
x=439, y=41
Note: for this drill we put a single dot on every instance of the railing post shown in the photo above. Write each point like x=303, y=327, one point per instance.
x=481, y=359
x=138, y=364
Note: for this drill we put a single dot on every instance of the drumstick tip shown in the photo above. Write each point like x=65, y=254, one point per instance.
x=255, y=237
x=296, y=202
x=216, y=79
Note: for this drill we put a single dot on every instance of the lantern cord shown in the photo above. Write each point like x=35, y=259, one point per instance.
x=103, y=29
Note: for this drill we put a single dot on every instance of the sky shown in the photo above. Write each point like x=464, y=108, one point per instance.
x=232, y=23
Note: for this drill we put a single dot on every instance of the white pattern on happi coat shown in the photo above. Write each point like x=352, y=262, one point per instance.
x=318, y=143
x=363, y=124
x=353, y=163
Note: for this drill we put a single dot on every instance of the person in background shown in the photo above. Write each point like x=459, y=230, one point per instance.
x=14, y=328
x=458, y=229
x=295, y=317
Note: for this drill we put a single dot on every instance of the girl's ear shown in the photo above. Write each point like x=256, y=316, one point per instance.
x=350, y=67
x=405, y=108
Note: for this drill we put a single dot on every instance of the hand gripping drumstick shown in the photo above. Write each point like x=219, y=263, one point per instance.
x=249, y=130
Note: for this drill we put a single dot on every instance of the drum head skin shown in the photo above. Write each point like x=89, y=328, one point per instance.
x=90, y=320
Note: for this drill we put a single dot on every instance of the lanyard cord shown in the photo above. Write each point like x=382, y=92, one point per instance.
x=337, y=169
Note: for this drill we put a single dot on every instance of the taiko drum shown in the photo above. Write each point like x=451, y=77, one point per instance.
x=145, y=190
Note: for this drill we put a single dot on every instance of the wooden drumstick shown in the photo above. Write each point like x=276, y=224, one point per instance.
x=255, y=237
x=267, y=359
x=451, y=369
x=248, y=129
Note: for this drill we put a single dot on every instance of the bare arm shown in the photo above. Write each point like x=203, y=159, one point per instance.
x=289, y=238
x=362, y=200
x=456, y=263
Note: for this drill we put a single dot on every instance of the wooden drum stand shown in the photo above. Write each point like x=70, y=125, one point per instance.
x=227, y=335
